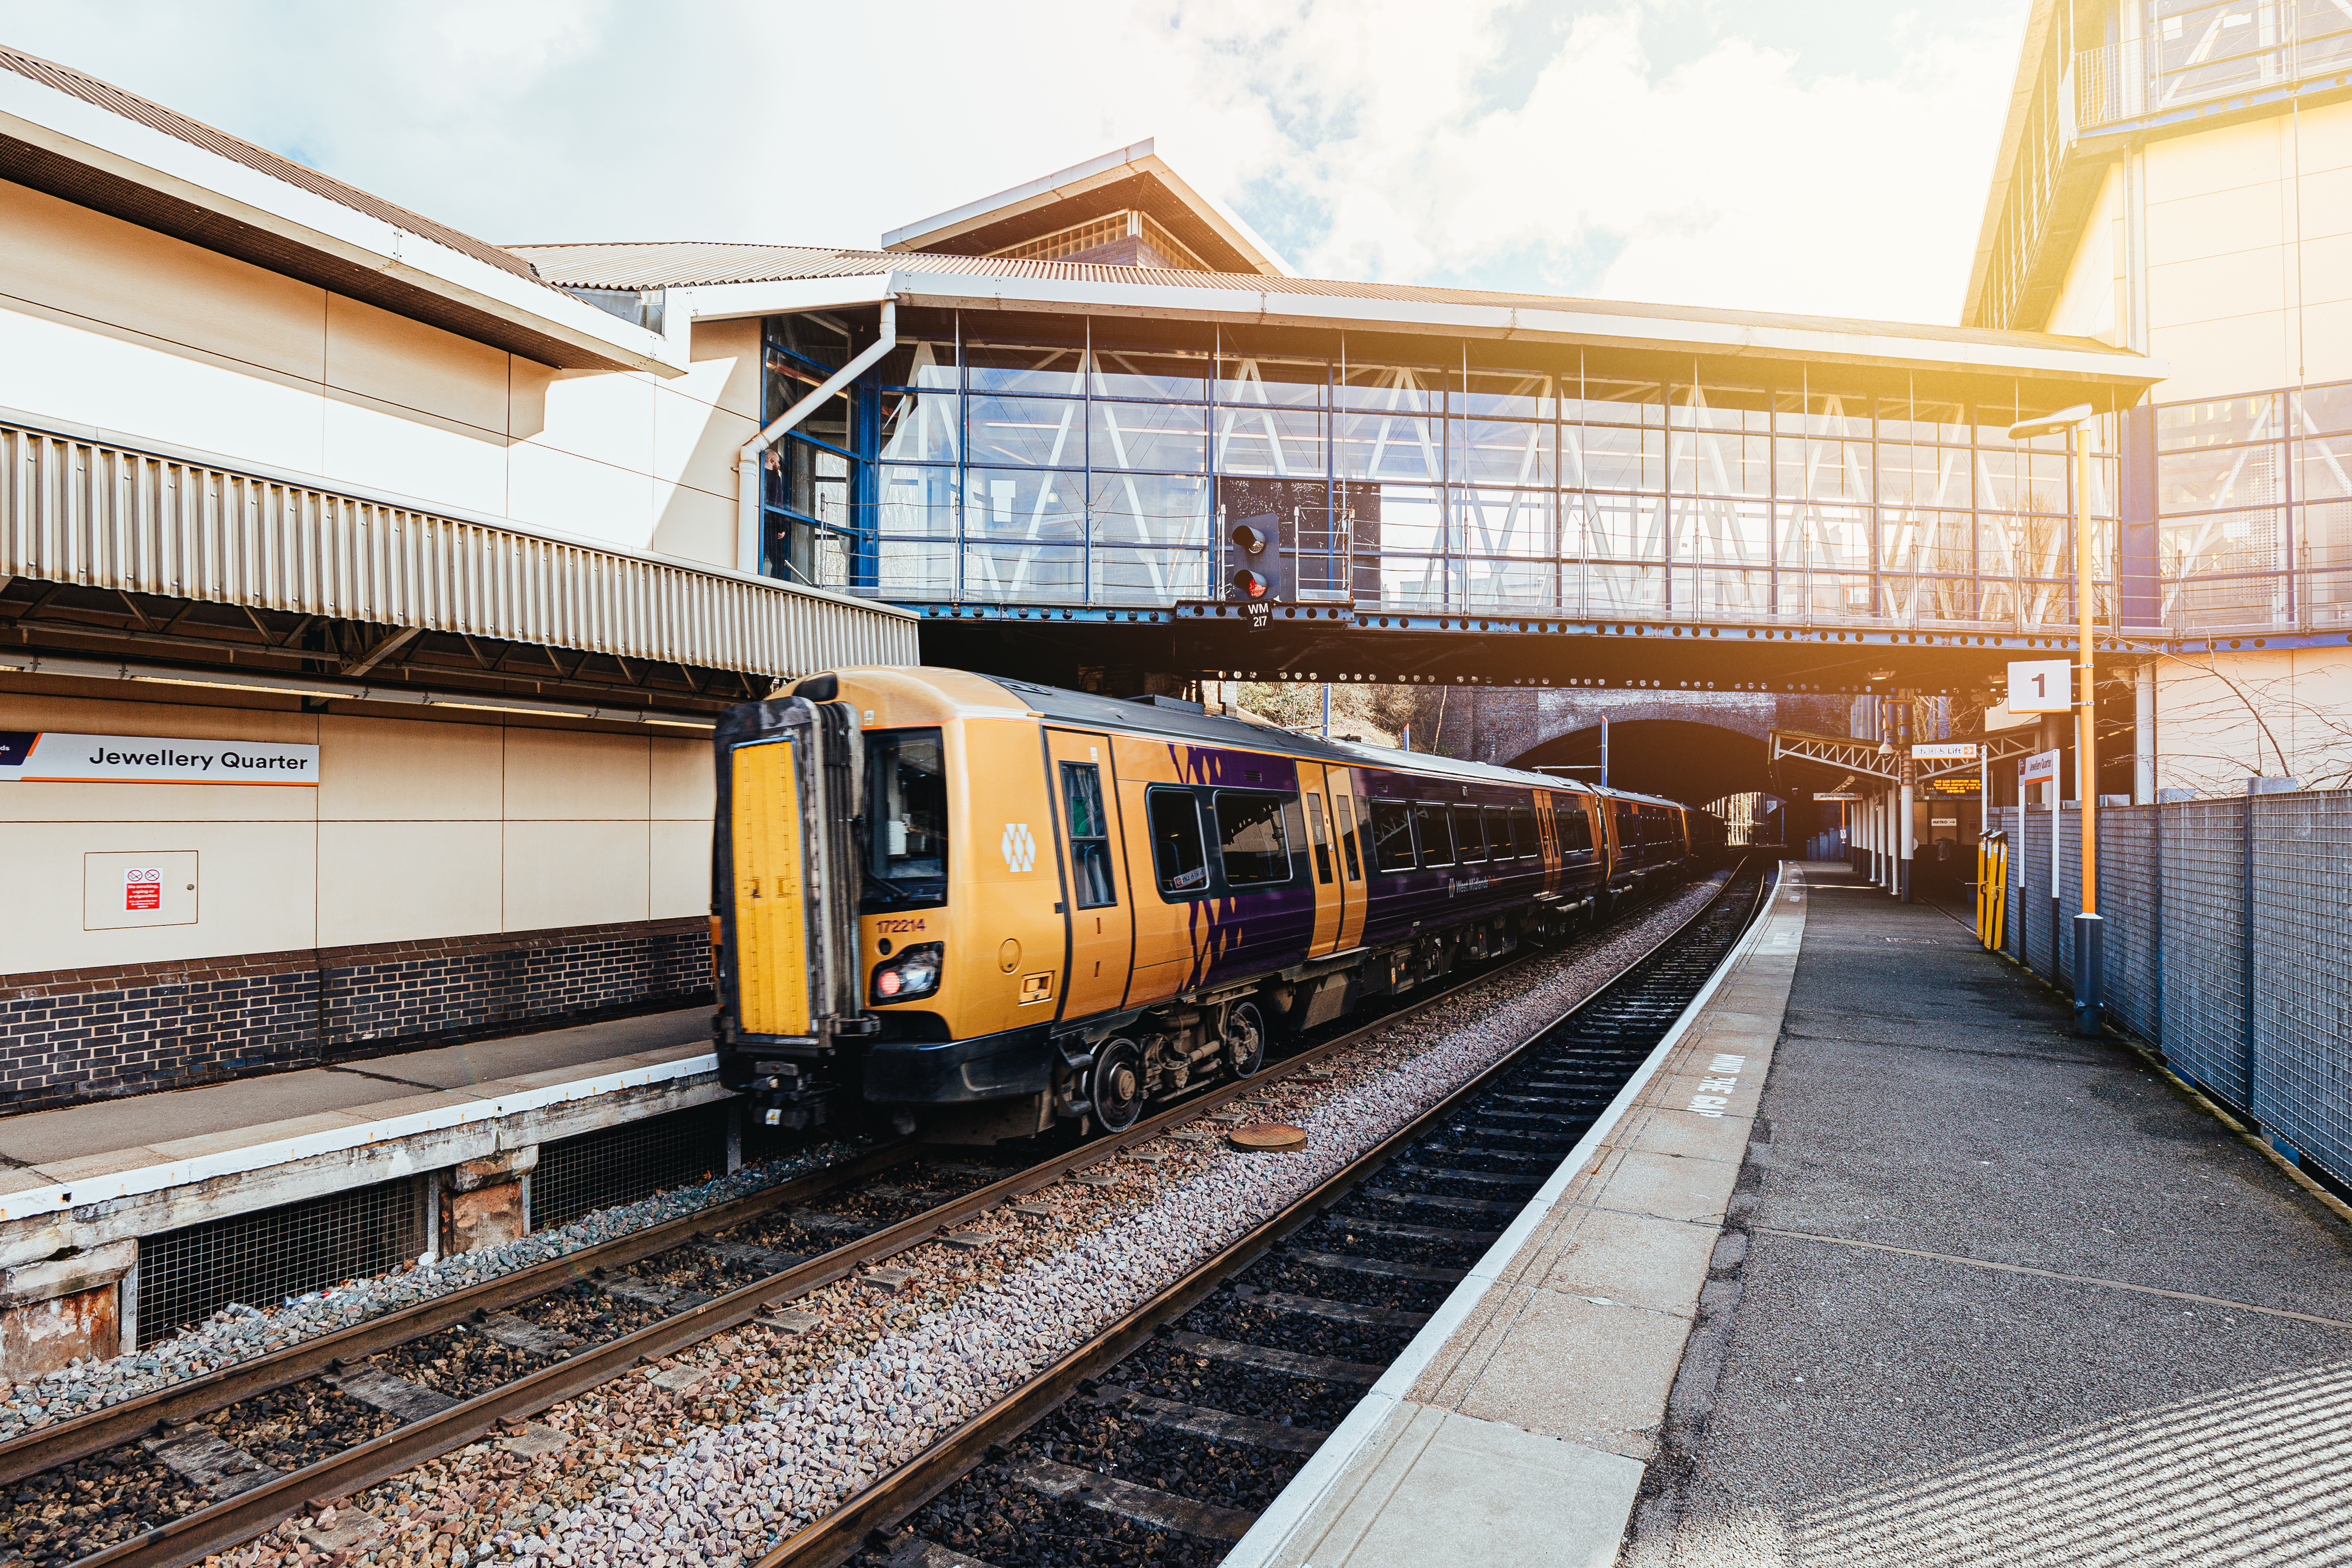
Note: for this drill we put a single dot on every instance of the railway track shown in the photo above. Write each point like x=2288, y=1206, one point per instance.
x=178, y=1474
x=1160, y=1439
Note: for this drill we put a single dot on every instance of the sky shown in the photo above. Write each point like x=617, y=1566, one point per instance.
x=1805, y=155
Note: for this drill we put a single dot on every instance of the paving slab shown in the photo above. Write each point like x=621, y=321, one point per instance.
x=552, y=1056
x=1875, y=1378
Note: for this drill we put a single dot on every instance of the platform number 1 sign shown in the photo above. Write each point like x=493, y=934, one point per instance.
x=143, y=888
x=2040, y=686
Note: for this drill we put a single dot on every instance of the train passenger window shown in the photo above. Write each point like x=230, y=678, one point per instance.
x=1250, y=837
x=1344, y=806
x=1393, y=835
x=1469, y=835
x=1089, y=836
x=906, y=821
x=1316, y=836
x=1573, y=825
x=1498, y=833
x=1431, y=826
x=1179, y=856
x=1522, y=832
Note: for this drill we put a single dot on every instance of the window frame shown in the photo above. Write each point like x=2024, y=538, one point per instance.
x=1411, y=846
x=1080, y=844
x=1283, y=804
x=1153, y=796
x=1344, y=808
x=1422, y=812
x=1457, y=812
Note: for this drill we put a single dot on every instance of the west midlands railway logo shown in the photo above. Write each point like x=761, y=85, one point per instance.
x=1020, y=850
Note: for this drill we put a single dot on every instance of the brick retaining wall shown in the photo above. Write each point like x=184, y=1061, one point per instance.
x=91, y=1034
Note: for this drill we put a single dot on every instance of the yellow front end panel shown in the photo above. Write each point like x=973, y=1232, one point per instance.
x=772, y=964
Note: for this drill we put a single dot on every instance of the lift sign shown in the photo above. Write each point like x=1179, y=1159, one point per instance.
x=143, y=888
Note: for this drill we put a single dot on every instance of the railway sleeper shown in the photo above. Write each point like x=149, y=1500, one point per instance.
x=1414, y=1232
x=1435, y=1200
x=916, y=1553
x=1198, y=1420
x=1347, y=1264
x=1330, y=1369
x=211, y=1460
x=1338, y=1312
x=1144, y=1505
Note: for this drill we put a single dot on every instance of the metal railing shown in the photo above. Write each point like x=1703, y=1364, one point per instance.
x=2193, y=51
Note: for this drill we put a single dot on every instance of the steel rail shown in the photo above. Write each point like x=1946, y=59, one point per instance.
x=891, y=1499
x=31, y=1452
x=195, y=1536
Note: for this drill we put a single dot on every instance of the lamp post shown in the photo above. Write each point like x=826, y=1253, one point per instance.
x=2090, y=946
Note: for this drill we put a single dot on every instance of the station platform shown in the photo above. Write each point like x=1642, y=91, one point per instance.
x=1945, y=1284
x=79, y=1185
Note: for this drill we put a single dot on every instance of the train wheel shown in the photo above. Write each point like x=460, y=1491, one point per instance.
x=1244, y=1039
x=1118, y=1085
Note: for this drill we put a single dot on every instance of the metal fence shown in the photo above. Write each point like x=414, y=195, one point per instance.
x=2208, y=903
x=260, y=1259
x=622, y=1164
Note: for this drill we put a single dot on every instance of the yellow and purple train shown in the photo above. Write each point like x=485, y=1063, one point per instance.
x=983, y=907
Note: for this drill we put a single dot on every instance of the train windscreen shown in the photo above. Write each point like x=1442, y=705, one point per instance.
x=906, y=821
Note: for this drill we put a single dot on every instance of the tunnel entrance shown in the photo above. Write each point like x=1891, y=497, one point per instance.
x=1691, y=763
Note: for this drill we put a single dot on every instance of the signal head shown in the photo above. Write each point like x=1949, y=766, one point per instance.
x=1249, y=585
x=1248, y=540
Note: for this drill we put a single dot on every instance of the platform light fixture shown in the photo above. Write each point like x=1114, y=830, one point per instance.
x=2090, y=947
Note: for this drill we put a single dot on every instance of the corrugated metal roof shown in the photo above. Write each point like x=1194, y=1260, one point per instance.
x=698, y=263
x=196, y=133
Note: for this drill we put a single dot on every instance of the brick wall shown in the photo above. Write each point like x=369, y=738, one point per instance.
x=91, y=1034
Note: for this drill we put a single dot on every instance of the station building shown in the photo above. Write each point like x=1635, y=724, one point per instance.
x=449, y=553
x=2175, y=178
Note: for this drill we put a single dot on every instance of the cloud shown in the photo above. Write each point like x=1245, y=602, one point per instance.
x=1814, y=155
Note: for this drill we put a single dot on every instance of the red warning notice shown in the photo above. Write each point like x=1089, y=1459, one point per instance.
x=142, y=889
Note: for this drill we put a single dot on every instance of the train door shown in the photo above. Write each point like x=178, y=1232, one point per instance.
x=1325, y=869
x=1350, y=844
x=1098, y=908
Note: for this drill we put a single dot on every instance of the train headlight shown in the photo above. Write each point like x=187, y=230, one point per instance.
x=911, y=973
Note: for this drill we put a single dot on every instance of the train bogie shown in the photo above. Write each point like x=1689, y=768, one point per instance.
x=981, y=907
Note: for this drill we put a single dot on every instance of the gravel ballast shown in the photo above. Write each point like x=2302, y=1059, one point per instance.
x=780, y=1429
x=240, y=1332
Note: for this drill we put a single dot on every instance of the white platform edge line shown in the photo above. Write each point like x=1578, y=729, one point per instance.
x=143, y=1179
x=1289, y=1510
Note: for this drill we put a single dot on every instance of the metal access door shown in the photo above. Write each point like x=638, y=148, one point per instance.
x=1098, y=905
x=785, y=869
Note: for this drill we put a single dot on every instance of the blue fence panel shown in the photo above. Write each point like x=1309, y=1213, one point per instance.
x=2204, y=1022
x=2130, y=902
x=2303, y=972
x=2033, y=899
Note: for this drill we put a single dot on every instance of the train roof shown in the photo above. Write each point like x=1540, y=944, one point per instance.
x=1192, y=722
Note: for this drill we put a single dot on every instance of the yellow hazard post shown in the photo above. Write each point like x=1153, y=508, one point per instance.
x=1992, y=886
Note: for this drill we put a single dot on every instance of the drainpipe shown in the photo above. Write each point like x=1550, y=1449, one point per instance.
x=748, y=462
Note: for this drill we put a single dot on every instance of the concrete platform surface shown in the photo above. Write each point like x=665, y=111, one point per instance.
x=70, y=1131
x=2001, y=1296
x=1518, y=1425
x=85, y=1175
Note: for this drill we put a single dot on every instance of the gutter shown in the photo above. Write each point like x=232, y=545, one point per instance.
x=25, y=661
x=749, y=461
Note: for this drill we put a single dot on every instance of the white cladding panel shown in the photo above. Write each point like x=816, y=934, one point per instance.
x=81, y=511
